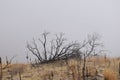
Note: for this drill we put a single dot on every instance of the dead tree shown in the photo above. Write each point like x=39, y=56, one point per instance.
x=8, y=62
x=91, y=44
x=51, y=50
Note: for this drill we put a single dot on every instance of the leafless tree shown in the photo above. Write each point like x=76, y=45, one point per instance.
x=8, y=62
x=58, y=48
x=92, y=47
x=51, y=50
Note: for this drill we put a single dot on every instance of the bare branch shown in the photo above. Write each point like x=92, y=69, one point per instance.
x=8, y=62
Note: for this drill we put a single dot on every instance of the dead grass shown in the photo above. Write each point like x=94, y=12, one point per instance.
x=110, y=75
x=70, y=71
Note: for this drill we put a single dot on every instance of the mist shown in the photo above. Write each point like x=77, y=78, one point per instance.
x=22, y=20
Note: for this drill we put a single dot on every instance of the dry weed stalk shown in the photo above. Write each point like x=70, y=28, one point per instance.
x=73, y=66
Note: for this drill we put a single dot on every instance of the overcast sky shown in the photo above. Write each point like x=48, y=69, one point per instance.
x=21, y=20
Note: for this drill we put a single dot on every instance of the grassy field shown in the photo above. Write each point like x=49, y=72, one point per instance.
x=96, y=67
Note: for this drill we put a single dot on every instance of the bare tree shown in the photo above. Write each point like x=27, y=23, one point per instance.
x=59, y=49
x=8, y=62
x=51, y=50
x=92, y=47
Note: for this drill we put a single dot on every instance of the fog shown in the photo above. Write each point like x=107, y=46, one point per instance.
x=21, y=20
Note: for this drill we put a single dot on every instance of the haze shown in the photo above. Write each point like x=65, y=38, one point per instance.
x=21, y=20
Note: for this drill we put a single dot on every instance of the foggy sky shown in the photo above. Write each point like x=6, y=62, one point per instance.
x=21, y=20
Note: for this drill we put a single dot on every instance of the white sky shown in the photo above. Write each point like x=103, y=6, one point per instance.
x=21, y=20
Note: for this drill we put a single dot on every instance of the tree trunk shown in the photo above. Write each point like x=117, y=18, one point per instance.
x=84, y=65
x=119, y=69
x=0, y=68
x=20, y=75
x=11, y=75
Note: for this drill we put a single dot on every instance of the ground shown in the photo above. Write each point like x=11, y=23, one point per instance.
x=98, y=68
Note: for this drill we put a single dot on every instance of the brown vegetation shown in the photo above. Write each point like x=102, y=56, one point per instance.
x=72, y=70
x=110, y=75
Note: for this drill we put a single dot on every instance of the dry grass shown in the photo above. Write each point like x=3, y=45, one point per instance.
x=91, y=70
x=110, y=75
x=70, y=71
